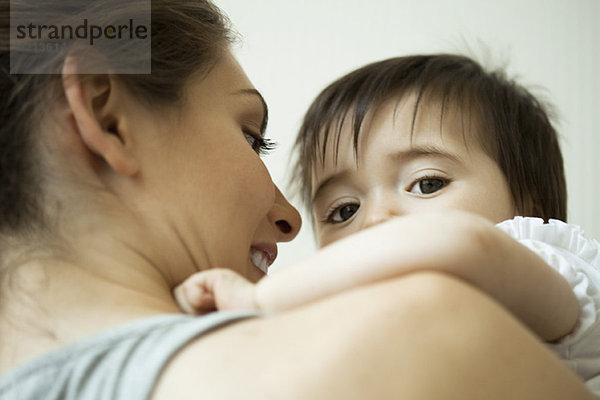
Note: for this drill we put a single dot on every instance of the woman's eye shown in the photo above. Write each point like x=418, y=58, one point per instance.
x=258, y=143
x=428, y=185
x=250, y=139
x=342, y=213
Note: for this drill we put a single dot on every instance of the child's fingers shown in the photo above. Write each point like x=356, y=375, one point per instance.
x=215, y=289
x=193, y=298
x=181, y=300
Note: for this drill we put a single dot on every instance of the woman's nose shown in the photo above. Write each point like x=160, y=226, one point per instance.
x=284, y=217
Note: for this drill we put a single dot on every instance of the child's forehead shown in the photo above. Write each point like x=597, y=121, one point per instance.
x=412, y=118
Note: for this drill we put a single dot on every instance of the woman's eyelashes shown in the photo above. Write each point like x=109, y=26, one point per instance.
x=259, y=144
x=341, y=213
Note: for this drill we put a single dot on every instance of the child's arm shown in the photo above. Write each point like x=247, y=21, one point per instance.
x=460, y=244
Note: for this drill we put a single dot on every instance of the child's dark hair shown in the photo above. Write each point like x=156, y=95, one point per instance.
x=515, y=127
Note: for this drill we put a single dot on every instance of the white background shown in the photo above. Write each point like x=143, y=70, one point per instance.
x=291, y=49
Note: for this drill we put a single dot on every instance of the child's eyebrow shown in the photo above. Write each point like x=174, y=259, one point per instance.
x=424, y=151
x=329, y=181
x=400, y=156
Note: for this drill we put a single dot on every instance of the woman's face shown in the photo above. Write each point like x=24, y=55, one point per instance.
x=203, y=162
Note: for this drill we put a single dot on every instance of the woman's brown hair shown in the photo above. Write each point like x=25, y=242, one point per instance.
x=186, y=38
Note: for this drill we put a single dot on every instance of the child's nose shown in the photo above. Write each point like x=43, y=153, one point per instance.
x=381, y=208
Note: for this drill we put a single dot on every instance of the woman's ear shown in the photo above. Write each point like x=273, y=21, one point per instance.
x=94, y=105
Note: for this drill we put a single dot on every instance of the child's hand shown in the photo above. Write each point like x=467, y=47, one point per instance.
x=215, y=289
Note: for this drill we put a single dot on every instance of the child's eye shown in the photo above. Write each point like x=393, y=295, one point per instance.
x=258, y=143
x=428, y=185
x=341, y=213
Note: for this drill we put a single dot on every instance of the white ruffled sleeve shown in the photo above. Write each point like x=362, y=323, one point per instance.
x=577, y=258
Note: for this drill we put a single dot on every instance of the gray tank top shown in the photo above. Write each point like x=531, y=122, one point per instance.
x=122, y=363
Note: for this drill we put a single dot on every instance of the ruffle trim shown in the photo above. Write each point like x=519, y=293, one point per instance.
x=556, y=233
x=557, y=243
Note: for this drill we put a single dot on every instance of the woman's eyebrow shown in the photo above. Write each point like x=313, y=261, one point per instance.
x=255, y=93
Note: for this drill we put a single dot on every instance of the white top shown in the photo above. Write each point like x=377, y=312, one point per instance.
x=577, y=258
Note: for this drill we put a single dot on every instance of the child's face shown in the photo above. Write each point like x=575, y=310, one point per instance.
x=439, y=169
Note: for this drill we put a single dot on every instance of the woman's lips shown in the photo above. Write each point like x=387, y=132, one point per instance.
x=263, y=255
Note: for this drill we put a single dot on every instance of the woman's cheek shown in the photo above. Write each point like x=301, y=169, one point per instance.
x=256, y=186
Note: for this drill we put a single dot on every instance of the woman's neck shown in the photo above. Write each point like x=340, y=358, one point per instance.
x=51, y=302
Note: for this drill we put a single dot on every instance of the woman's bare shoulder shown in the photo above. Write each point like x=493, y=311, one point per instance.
x=372, y=342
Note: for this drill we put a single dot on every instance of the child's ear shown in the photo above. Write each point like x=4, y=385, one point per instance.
x=94, y=103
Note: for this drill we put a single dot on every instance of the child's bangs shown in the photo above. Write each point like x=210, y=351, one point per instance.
x=348, y=101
